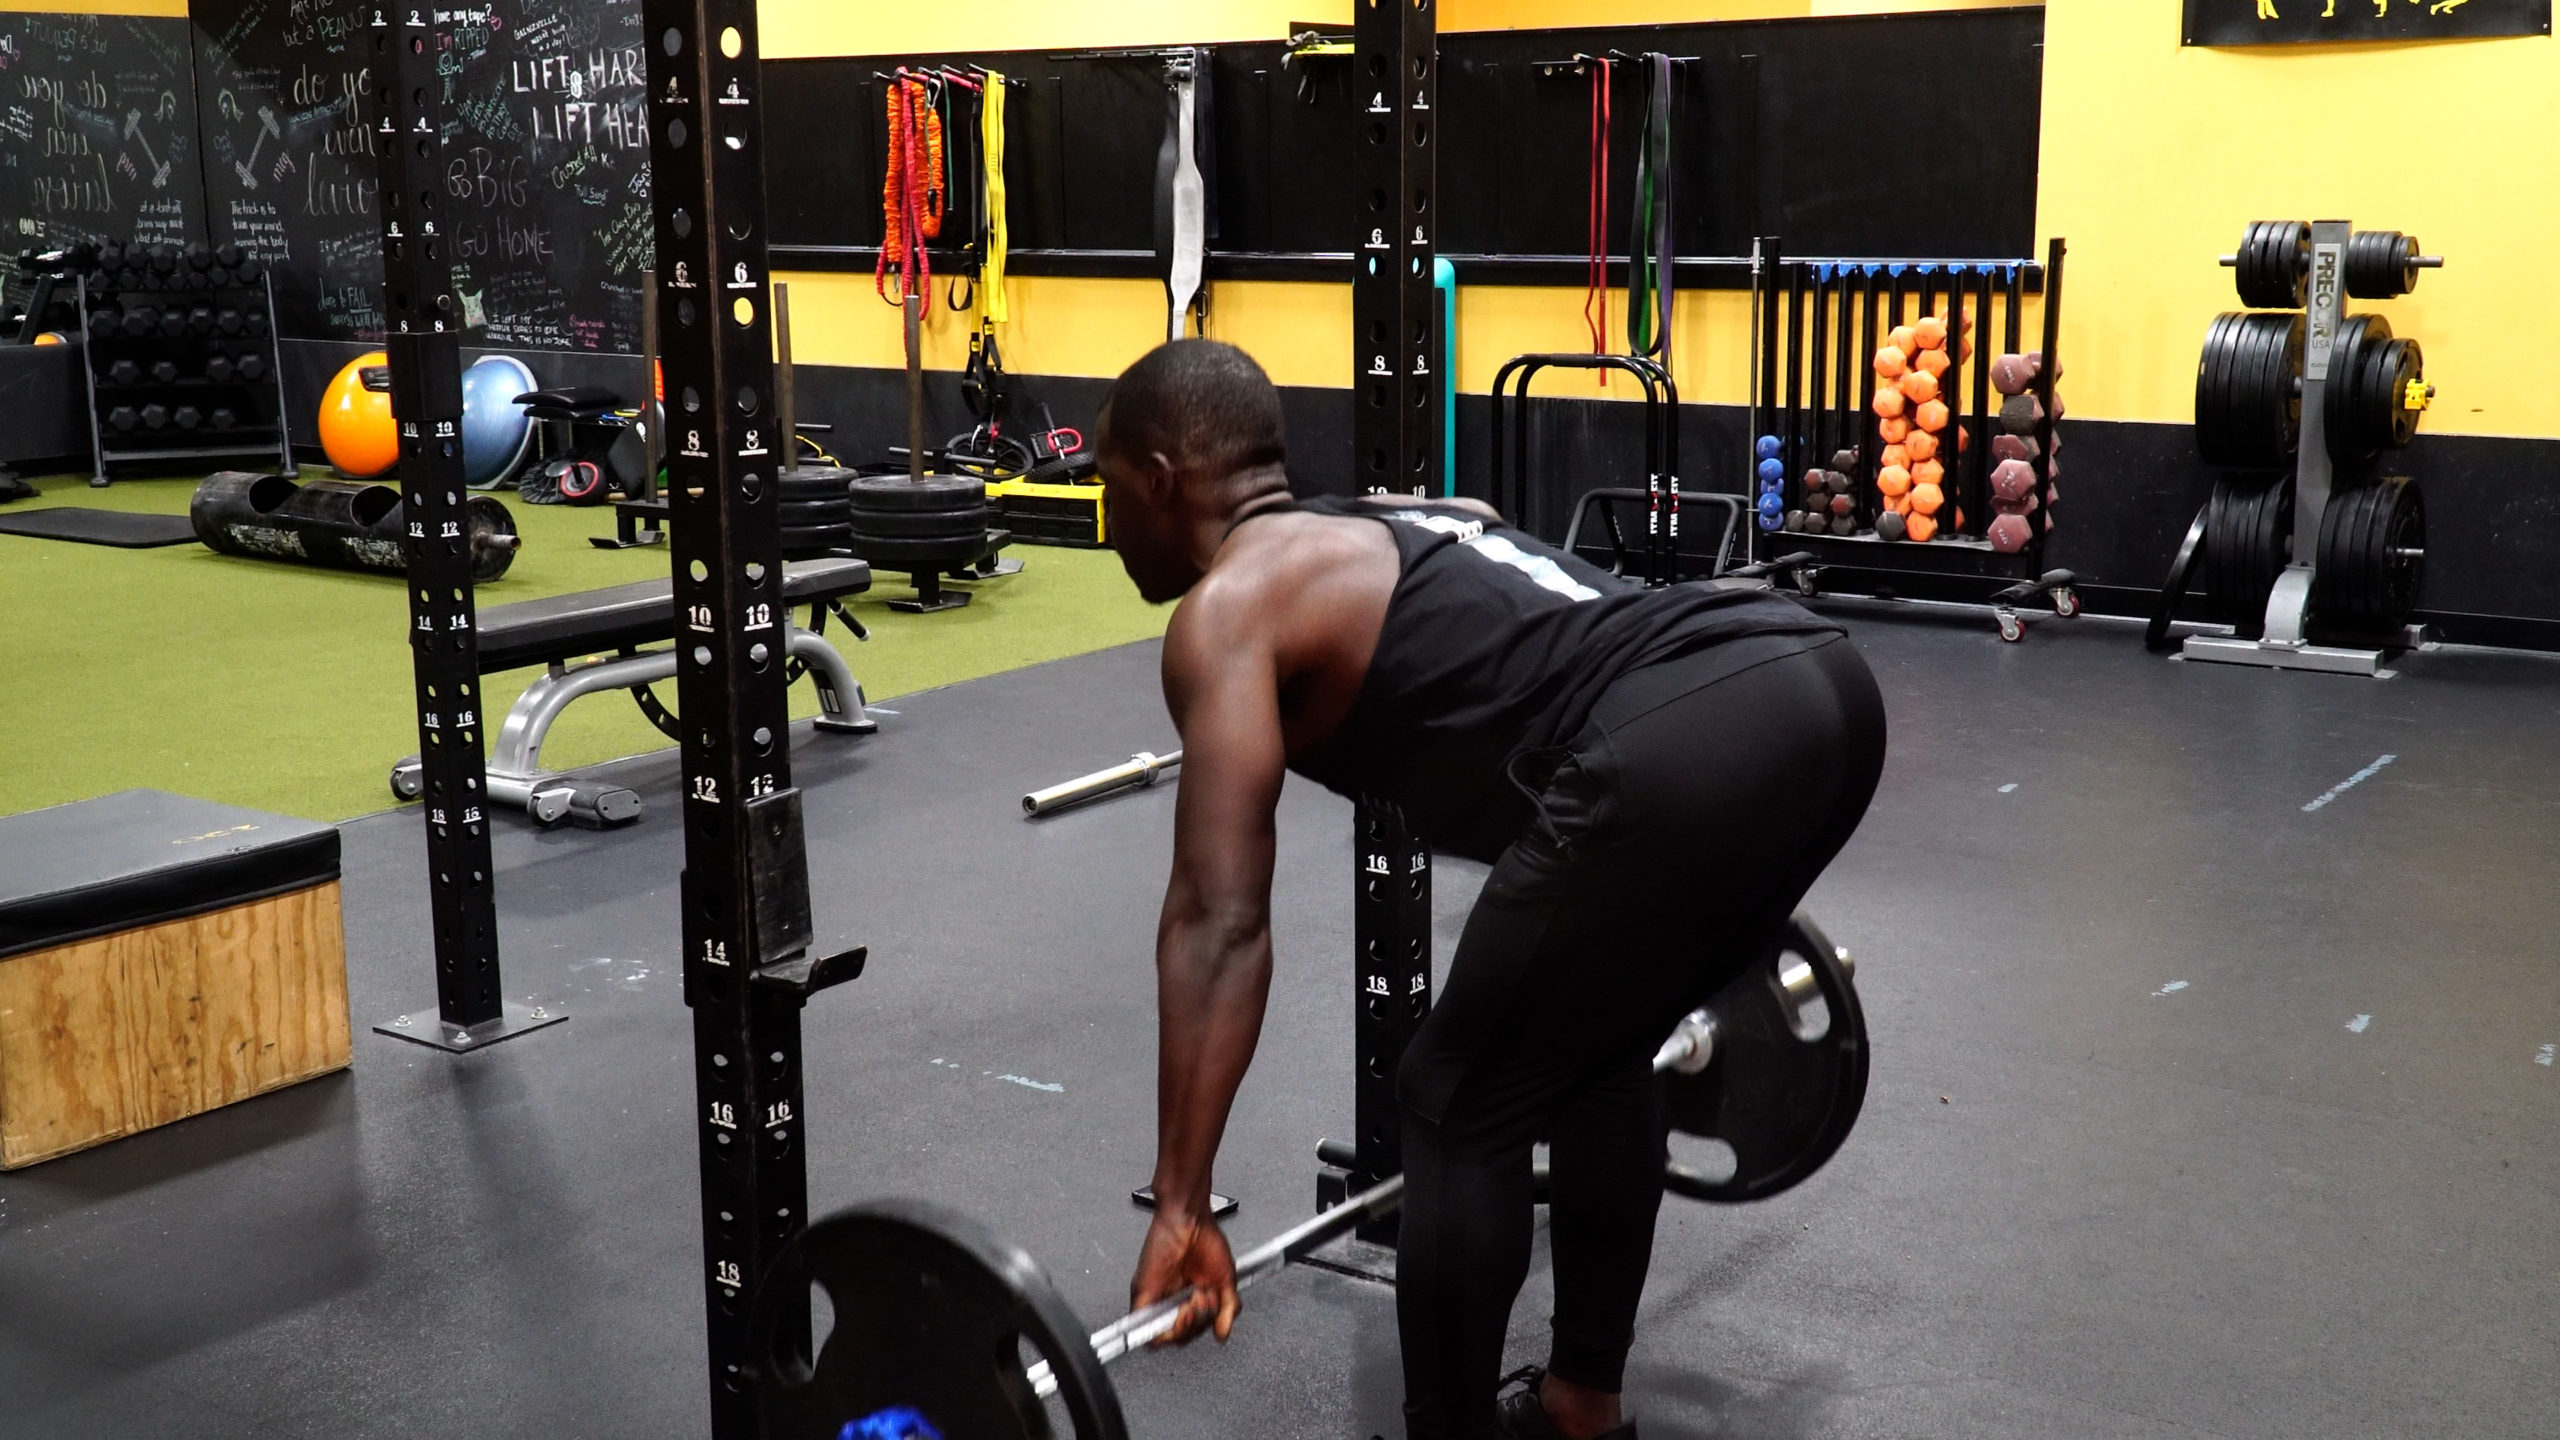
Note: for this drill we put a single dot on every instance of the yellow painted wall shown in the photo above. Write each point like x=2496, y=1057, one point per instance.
x=2156, y=157
x=174, y=8
x=1300, y=332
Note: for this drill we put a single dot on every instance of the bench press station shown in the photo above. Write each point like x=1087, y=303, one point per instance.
x=570, y=635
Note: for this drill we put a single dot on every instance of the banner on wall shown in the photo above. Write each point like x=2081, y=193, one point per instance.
x=2293, y=22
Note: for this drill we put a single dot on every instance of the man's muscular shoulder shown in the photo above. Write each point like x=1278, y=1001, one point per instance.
x=1301, y=595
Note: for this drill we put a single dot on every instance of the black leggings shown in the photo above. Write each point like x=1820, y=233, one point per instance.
x=1675, y=837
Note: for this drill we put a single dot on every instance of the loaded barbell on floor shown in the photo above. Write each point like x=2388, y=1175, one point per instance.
x=942, y=1328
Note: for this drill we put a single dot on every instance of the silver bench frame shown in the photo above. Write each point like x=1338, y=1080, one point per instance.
x=515, y=773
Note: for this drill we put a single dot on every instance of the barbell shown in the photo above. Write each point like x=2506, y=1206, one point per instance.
x=941, y=1328
x=1144, y=769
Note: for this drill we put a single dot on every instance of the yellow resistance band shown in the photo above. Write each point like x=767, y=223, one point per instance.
x=991, y=306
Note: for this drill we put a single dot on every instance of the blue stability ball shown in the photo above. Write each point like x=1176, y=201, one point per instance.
x=1773, y=472
x=496, y=433
x=1768, y=447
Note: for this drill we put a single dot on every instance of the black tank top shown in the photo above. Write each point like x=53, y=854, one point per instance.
x=1497, y=646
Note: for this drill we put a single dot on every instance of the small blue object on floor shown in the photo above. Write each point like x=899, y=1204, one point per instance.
x=895, y=1423
x=118, y=528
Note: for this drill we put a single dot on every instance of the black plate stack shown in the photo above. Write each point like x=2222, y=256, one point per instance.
x=817, y=511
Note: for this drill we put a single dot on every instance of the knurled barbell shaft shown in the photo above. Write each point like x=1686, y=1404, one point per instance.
x=1690, y=1049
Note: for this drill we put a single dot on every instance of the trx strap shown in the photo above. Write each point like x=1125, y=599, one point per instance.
x=984, y=385
x=994, y=236
x=1650, y=256
x=1595, y=297
x=1182, y=191
x=910, y=205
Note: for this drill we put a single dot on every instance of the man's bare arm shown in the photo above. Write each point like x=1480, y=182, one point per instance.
x=1213, y=944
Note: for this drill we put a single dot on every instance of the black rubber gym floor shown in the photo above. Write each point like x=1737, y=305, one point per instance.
x=2201, y=1107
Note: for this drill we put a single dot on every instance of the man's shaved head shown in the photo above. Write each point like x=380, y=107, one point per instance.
x=1204, y=406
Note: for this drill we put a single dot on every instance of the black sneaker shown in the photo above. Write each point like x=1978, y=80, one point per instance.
x=1517, y=1415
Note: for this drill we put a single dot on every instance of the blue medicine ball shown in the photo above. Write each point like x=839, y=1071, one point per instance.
x=496, y=433
x=1768, y=448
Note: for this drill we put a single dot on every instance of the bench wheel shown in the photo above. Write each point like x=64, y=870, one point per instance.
x=408, y=779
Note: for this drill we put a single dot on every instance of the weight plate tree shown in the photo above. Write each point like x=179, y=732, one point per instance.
x=746, y=874
x=424, y=342
x=1396, y=440
x=2308, y=402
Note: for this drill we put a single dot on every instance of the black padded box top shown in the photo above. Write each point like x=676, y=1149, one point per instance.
x=140, y=857
x=561, y=627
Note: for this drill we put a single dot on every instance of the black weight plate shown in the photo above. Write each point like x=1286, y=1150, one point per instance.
x=2213, y=393
x=2272, y=269
x=2217, y=551
x=821, y=536
x=933, y=1314
x=2279, y=384
x=965, y=524
x=2366, y=583
x=834, y=480
x=2346, y=415
x=899, y=552
x=2244, y=276
x=2404, y=528
x=2273, y=547
x=2408, y=366
x=806, y=514
x=819, y=492
x=2155, y=636
x=2332, y=597
x=1784, y=1102
x=2357, y=589
x=934, y=492
x=2379, y=563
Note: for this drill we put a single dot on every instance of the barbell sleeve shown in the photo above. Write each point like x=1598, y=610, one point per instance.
x=1144, y=769
x=1690, y=1049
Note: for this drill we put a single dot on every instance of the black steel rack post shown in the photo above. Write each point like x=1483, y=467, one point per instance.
x=423, y=338
x=746, y=916
x=1396, y=437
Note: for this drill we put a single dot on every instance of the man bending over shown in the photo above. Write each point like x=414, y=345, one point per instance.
x=1656, y=777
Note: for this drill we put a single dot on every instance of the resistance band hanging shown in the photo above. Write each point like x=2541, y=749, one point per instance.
x=995, y=240
x=911, y=197
x=1595, y=298
x=984, y=386
x=1650, y=257
x=1185, y=184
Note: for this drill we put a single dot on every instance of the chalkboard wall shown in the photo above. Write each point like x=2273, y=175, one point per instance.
x=98, y=134
x=547, y=177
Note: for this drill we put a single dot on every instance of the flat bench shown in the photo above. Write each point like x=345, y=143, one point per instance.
x=570, y=635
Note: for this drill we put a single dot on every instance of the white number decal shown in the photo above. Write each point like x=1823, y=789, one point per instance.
x=706, y=788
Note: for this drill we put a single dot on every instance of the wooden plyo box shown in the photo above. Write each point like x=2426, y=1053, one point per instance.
x=228, y=981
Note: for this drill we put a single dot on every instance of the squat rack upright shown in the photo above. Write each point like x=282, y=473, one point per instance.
x=746, y=917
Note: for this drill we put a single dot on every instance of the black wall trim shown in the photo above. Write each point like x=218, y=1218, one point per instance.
x=1718, y=272
x=1778, y=124
x=2128, y=489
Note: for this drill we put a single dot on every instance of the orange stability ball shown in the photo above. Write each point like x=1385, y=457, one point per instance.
x=355, y=419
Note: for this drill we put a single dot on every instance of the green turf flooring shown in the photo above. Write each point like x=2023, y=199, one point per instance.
x=287, y=688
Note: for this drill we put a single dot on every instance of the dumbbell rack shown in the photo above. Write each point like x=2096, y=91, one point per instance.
x=1814, y=326
x=2336, y=264
x=167, y=313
